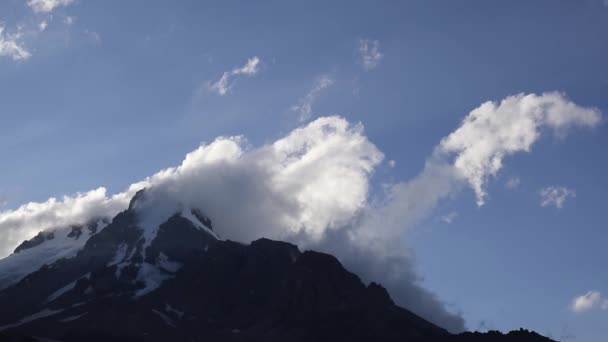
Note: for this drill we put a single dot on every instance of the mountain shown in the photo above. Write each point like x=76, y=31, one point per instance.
x=129, y=280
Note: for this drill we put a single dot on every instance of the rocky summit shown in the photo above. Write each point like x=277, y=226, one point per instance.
x=121, y=280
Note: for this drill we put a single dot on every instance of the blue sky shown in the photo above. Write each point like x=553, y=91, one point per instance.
x=110, y=92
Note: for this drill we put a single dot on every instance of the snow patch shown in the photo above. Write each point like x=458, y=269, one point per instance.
x=72, y=318
x=121, y=252
x=164, y=317
x=124, y=263
x=152, y=277
x=60, y=292
x=170, y=266
x=188, y=215
x=42, y=314
x=173, y=310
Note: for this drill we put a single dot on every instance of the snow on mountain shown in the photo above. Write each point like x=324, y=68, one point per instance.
x=152, y=267
x=46, y=248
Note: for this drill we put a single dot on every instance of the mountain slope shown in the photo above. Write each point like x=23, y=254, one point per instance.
x=177, y=280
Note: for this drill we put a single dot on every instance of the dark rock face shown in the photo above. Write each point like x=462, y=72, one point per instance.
x=521, y=335
x=206, y=289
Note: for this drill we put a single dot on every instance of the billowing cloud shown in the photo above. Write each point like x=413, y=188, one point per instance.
x=312, y=187
x=589, y=301
x=47, y=6
x=11, y=45
x=493, y=131
x=223, y=85
x=555, y=195
x=369, y=52
x=304, y=106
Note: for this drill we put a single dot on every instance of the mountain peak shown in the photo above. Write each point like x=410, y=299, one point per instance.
x=133, y=279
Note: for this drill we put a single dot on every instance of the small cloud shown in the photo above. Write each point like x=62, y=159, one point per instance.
x=392, y=163
x=555, y=195
x=42, y=26
x=589, y=301
x=69, y=20
x=369, y=52
x=11, y=45
x=449, y=218
x=47, y=6
x=513, y=183
x=93, y=36
x=304, y=106
x=223, y=85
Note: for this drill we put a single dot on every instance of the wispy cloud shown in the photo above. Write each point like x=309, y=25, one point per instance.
x=223, y=85
x=589, y=301
x=47, y=6
x=92, y=36
x=369, y=53
x=304, y=106
x=513, y=183
x=449, y=218
x=11, y=45
x=555, y=195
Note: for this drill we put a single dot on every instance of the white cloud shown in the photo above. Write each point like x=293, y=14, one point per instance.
x=223, y=85
x=69, y=20
x=47, y=6
x=555, y=195
x=392, y=163
x=369, y=52
x=589, y=301
x=493, y=131
x=513, y=183
x=42, y=25
x=11, y=45
x=312, y=187
x=304, y=106
x=449, y=218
